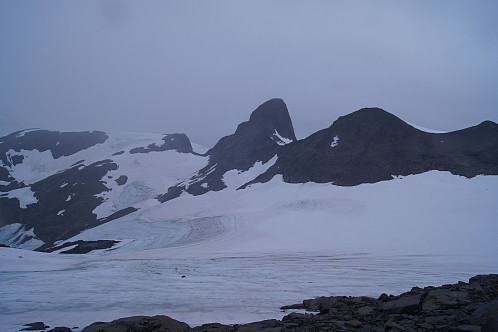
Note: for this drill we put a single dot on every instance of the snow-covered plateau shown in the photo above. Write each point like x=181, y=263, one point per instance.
x=236, y=256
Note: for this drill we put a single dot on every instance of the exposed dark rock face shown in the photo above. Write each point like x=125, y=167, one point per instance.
x=121, y=180
x=62, y=203
x=59, y=143
x=83, y=184
x=268, y=129
x=471, y=306
x=60, y=329
x=35, y=326
x=372, y=145
x=49, y=191
x=178, y=142
x=56, y=217
x=83, y=247
x=139, y=323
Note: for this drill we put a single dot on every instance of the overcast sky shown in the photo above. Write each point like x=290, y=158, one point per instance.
x=201, y=67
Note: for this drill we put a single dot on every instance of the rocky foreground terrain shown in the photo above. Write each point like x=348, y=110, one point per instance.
x=471, y=306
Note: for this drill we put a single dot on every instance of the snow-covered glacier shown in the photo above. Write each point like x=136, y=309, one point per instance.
x=236, y=256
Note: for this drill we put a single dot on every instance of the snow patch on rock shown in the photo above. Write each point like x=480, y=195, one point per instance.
x=280, y=139
x=24, y=195
x=24, y=132
x=335, y=142
x=235, y=178
x=16, y=235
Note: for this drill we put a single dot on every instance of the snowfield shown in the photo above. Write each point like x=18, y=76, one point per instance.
x=236, y=256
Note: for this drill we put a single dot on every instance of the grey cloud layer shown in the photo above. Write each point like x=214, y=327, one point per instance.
x=202, y=67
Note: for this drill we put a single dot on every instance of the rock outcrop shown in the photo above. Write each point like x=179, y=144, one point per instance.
x=82, y=247
x=372, y=145
x=139, y=323
x=58, y=143
x=268, y=129
x=471, y=306
x=178, y=142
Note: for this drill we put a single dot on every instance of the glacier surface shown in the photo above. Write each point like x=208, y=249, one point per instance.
x=236, y=256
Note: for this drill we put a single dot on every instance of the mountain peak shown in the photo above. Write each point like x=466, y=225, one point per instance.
x=270, y=108
x=269, y=125
x=271, y=119
x=257, y=140
x=370, y=116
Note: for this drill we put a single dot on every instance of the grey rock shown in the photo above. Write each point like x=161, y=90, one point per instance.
x=491, y=325
x=485, y=312
x=426, y=326
x=367, y=310
x=139, y=324
x=466, y=328
x=403, y=305
x=178, y=142
x=121, y=180
x=60, y=329
x=444, y=299
x=35, y=326
x=354, y=323
x=436, y=320
x=83, y=247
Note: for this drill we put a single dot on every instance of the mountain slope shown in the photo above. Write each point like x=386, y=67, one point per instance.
x=372, y=145
x=257, y=140
x=55, y=185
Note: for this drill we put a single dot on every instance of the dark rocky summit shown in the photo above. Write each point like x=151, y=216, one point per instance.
x=268, y=129
x=178, y=142
x=367, y=146
x=471, y=306
x=372, y=145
